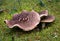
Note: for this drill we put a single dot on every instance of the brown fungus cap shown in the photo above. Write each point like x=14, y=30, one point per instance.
x=26, y=20
x=43, y=13
x=48, y=19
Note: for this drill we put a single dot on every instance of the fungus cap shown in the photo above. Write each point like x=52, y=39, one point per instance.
x=26, y=20
x=43, y=13
x=48, y=18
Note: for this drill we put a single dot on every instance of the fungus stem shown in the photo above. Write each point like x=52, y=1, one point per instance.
x=43, y=25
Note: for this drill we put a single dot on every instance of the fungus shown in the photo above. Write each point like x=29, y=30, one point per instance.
x=29, y=20
x=26, y=20
x=47, y=19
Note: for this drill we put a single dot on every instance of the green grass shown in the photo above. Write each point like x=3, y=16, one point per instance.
x=47, y=34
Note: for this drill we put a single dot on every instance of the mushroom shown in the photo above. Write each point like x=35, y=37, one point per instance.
x=47, y=19
x=42, y=14
x=26, y=20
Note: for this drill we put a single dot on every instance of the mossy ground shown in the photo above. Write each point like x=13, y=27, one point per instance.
x=52, y=33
